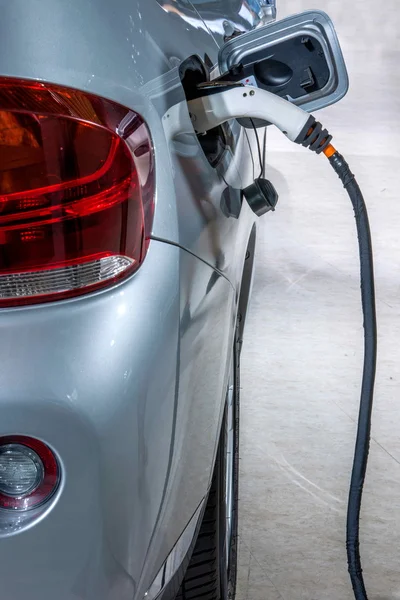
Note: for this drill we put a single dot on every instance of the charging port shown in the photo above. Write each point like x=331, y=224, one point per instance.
x=214, y=143
x=193, y=71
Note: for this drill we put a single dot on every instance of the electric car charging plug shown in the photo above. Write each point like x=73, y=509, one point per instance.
x=213, y=108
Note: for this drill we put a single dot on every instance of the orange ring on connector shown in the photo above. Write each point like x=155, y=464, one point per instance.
x=330, y=151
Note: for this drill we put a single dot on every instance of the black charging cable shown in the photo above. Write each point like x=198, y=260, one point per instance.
x=261, y=156
x=318, y=139
x=367, y=392
x=262, y=197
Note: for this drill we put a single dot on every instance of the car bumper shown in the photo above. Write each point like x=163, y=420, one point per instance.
x=97, y=379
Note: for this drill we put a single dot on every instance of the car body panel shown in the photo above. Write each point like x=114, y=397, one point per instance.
x=208, y=225
x=228, y=18
x=119, y=57
x=119, y=416
x=108, y=49
x=127, y=384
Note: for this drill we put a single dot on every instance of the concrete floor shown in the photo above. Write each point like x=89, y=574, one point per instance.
x=303, y=353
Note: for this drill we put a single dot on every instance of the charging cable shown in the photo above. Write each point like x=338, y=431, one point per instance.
x=213, y=108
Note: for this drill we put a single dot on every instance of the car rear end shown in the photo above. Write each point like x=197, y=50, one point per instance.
x=89, y=310
x=108, y=427
x=83, y=357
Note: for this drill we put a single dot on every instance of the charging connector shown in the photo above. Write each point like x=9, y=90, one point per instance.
x=214, y=107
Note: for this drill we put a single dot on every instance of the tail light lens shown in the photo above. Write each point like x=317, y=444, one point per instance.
x=76, y=192
x=29, y=473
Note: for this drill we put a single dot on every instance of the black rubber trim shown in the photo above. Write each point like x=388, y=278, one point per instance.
x=303, y=133
x=313, y=136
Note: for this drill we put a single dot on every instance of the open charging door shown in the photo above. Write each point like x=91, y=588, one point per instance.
x=298, y=58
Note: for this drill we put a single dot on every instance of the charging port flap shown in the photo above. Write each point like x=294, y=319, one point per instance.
x=298, y=58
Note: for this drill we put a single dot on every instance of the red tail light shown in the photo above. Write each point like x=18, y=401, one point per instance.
x=76, y=192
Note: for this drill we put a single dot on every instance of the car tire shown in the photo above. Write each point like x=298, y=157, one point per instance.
x=211, y=574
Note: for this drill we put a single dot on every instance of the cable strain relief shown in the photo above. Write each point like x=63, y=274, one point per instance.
x=342, y=169
x=304, y=132
x=313, y=136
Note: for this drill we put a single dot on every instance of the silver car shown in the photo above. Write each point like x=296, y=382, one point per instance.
x=126, y=264
x=126, y=261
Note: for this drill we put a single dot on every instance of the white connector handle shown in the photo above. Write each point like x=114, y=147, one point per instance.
x=210, y=111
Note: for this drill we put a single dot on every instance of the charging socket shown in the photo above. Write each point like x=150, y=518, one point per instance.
x=298, y=58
